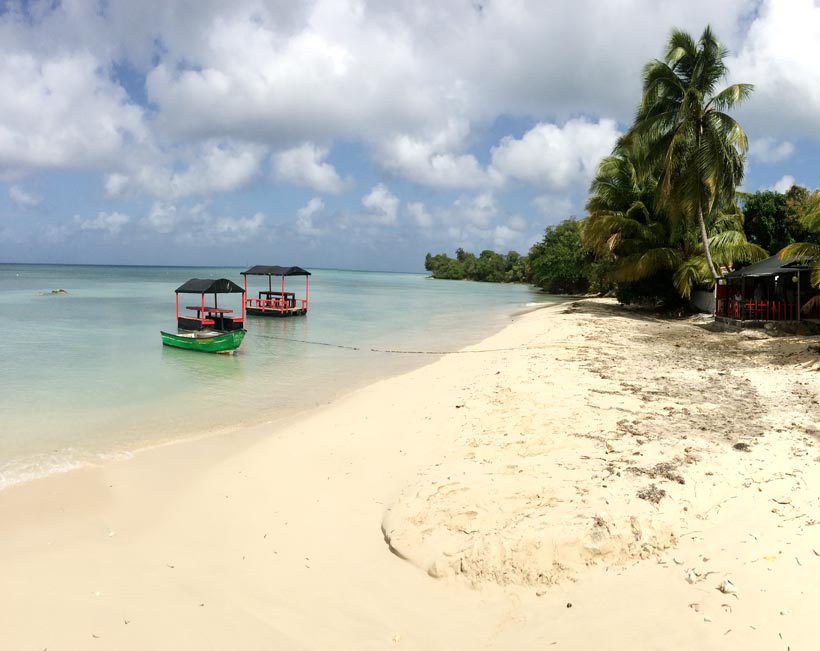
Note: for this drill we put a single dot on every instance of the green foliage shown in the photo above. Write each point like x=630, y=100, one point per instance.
x=661, y=210
x=683, y=137
x=488, y=267
x=808, y=250
x=560, y=264
x=766, y=220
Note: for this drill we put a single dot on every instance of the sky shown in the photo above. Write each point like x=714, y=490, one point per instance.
x=348, y=133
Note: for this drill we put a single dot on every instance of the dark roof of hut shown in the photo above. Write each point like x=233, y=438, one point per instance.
x=209, y=286
x=769, y=267
x=263, y=270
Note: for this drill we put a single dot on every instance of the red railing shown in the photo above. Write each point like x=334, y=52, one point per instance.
x=750, y=310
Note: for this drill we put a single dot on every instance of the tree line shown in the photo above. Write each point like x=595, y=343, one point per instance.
x=664, y=216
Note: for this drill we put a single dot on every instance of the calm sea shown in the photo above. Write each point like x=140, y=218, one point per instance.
x=85, y=377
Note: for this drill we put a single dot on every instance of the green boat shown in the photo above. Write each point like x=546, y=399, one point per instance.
x=205, y=327
x=205, y=341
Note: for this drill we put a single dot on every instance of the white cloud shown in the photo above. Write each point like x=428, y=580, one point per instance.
x=212, y=166
x=236, y=229
x=423, y=88
x=419, y=214
x=110, y=223
x=770, y=150
x=478, y=210
x=304, y=217
x=116, y=184
x=162, y=218
x=382, y=206
x=430, y=161
x=196, y=226
x=518, y=223
x=783, y=184
x=504, y=236
x=303, y=165
x=554, y=207
x=22, y=198
x=62, y=112
x=557, y=158
x=779, y=57
x=475, y=223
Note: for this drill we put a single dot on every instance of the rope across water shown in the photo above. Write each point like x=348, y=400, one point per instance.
x=398, y=352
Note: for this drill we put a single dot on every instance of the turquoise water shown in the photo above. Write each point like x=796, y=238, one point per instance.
x=85, y=377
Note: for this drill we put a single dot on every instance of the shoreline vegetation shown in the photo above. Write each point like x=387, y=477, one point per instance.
x=665, y=487
x=664, y=216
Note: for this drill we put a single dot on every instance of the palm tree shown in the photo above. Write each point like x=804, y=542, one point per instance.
x=624, y=226
x=620, y=225
x=685, y=136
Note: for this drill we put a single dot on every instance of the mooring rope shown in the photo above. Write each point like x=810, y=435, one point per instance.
x=396, y=351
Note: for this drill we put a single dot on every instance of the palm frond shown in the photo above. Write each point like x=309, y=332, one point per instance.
x=811, y=218
x=731, y=96
x=802, y=251
x=691, y=273
x=730, y=246
x=644, y=264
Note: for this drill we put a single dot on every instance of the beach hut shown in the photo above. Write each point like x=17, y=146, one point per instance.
x=770, y=290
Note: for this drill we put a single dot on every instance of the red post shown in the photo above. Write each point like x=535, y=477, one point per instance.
x=282, y=296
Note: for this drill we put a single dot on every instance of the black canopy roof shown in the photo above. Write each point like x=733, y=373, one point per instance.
x=209, y=286
x=769, y=267
x=263, y=270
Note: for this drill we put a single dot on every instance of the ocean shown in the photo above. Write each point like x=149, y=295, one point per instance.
x=85, y=378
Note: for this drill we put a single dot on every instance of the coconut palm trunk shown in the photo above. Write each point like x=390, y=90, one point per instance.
x=704, y=237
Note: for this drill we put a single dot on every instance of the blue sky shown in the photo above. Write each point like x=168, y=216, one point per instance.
x=351, y=134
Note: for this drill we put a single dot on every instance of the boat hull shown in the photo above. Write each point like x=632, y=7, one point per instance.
x=258, y=311
x=205, y=342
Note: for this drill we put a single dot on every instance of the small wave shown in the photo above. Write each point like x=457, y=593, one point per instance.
x=29, y=469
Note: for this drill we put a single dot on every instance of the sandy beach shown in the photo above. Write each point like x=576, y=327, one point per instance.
x=590, y=477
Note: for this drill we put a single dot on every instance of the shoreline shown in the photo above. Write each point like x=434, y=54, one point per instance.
x=513, y=476
x=270, y=417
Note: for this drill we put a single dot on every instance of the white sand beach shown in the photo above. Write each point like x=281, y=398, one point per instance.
x=590, y=477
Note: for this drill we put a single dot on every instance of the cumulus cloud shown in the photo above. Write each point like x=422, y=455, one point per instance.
x=554, y=207
x=474, y=222
x=770, y=150
x=110, y=223
x=289, y=72
x=432, y=159
x=419, y=214
x=303, y=165
x=783, y=184
x=62, y=112
x=174, y=104
x=557, y=158
x=778, y=56
x=212, y=166
x=22, y=198
x=304, y=217
x=478, y=210
x=187, y=224
x=382, y=206
x=236, y=229
x=162, y=217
